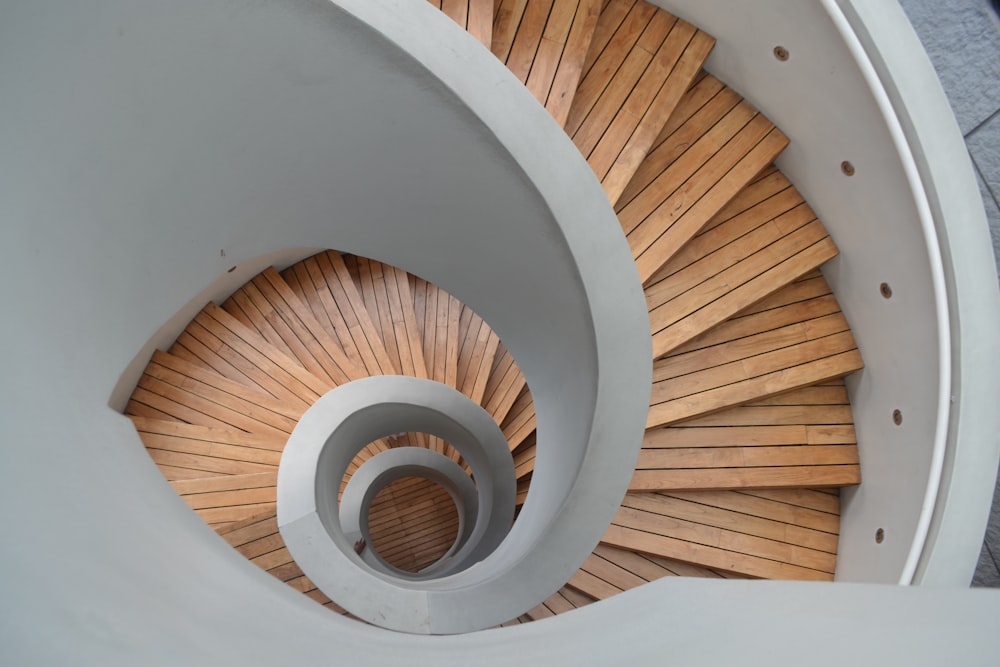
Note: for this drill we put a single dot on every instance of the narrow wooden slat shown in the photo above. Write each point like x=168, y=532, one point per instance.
x=248, y=530
x=180, y=465
x=457, y=11
x=747, y=457
x=813, y=499
x=226, y=483
x=480, y=21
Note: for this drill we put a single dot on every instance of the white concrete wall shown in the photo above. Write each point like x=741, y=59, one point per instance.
x=149, y=147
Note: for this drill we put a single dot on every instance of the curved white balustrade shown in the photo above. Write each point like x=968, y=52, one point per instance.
x=328, y=437
x=389, y=466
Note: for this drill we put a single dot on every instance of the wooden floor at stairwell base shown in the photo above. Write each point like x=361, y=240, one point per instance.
x=749, y=432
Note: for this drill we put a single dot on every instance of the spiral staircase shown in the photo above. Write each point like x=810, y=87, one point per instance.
x=749, y=432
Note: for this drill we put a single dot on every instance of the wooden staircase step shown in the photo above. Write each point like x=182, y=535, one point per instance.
x=413, y=522
x=385, y=291
x=251, y=368
x=189, y=394
x=476, y=354
x=382, y=293
x=746, y=253
x=563, y=600
x=807, y=440
x=751, y=357
x=504, y=385
x=523, y=484
x=631, y=87
x=437, y=319
x=694, y=171
x=324, y=284
x=229, y=498
x=269, y=305
x=544, y=43
x=217, y=341
x=524, y=457
x=730, y=531
x=475, y=16
x=186, y=451
x=611, y=570
x=520, y=421
x=257, y=538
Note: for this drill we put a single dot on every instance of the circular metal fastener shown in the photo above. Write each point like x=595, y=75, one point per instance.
x=781, y=53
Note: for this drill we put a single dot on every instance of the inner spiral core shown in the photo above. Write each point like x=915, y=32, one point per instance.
x=412, y=523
